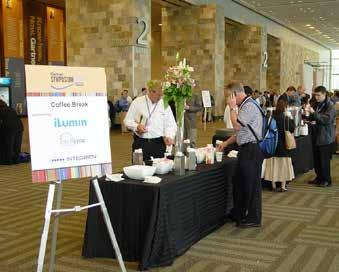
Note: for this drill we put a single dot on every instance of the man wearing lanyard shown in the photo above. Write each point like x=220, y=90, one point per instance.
x=154, y=126
x=247, y=185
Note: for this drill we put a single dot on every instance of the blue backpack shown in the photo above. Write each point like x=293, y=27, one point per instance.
x=269, y=141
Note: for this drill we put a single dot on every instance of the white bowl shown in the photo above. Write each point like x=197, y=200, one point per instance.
x=139, y=171
x=163, y=166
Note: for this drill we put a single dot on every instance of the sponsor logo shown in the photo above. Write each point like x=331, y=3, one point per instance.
x=67, y=139
x=60, y=81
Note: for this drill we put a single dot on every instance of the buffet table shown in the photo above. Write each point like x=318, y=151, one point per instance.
x=154, y=223
x=302, y=156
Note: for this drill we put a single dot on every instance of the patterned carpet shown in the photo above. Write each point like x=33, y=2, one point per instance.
x=300, y=227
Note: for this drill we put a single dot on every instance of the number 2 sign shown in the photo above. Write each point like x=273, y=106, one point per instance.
x=265, y=65
x=142, y=39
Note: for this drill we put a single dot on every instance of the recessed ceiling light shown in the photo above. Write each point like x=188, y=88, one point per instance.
x=308, y=25
x=311, y=27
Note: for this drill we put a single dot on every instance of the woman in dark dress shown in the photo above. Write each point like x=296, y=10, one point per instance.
x=279, y=168
x=11, y=129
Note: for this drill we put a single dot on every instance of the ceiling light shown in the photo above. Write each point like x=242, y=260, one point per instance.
x=159, y=24
x=308, y=25
x=311, y=27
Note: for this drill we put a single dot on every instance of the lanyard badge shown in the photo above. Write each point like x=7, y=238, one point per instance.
x=149, y=121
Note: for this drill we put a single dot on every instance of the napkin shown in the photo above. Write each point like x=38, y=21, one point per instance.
x=114, y=177
x=233, y=154
x=152, y=179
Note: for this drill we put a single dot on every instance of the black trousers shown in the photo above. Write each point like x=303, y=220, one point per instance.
x=10, y=146
x=247, y=184
x=322, y=162
x=150, y=147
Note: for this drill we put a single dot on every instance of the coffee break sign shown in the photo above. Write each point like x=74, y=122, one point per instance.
x=68, y=122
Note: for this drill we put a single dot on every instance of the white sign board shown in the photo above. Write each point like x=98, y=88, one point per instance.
x=307, y=78
x=206, y=98
x=68, y=122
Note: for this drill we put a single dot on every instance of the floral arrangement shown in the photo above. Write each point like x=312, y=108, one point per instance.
x=177, y=86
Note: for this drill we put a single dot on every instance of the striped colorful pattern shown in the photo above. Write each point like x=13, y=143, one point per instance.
x=99, y=170
x=37, y=94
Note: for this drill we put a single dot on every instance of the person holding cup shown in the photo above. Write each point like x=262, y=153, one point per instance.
x=323, y=117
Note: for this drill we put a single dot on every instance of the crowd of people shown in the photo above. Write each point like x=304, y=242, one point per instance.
x=154, y=129
x=243, y=114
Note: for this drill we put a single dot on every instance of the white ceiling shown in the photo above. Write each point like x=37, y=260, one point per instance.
x=317, y=19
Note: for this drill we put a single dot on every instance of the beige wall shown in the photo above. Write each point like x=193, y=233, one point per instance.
x=197, y=33
x=292, y=59
x=274, y=63
x=156, y=63
x=243, y=55
x=104, y=33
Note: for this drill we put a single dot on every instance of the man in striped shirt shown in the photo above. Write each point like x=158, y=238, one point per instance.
x=248, y=124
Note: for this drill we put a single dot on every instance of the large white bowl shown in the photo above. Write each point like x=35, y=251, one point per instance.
x=139, y=171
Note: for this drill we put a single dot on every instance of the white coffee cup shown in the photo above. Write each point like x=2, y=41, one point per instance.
x=218, y=156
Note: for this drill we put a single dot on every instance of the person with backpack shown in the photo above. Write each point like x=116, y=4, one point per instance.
x=279, y=168
x=248, y=124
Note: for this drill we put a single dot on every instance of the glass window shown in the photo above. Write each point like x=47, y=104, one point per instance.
x=335, y=69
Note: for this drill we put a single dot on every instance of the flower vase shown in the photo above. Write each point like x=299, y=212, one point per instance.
x=179, y=139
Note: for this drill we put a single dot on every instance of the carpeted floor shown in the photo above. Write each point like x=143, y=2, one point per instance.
x=300, y=227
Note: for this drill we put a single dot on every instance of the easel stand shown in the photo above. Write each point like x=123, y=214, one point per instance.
x=59, y=212
x=206, y=111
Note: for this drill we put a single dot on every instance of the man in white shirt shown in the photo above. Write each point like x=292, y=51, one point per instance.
x=154, y=126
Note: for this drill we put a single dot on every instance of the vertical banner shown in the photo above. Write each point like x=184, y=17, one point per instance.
x=35, y=44
x=68, y=122
x=55, y=36
x=13, y=37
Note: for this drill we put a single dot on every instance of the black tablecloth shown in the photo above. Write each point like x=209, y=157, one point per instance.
x=154, y=223
x=302, y=156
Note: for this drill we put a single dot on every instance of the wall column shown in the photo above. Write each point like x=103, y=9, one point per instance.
x=244, y=55
x=104, y=34
x=197, y=33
